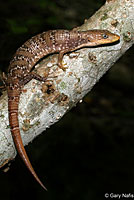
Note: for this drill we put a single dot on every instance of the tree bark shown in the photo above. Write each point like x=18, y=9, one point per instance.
x=41, y=105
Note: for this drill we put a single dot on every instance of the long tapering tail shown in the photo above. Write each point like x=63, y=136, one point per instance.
x=13, y=102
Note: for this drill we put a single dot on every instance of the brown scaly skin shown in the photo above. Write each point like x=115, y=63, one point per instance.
x=19, y=72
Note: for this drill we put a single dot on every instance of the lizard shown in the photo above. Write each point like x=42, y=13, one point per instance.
x=20, y=70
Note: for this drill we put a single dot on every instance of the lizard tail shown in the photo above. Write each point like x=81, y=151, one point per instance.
x=13, y=102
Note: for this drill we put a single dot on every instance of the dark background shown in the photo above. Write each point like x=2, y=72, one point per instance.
x=90, y=151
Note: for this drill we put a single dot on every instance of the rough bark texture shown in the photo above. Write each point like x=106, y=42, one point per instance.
x=38, y=108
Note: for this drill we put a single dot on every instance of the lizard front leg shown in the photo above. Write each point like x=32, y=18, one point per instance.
x=60, y=58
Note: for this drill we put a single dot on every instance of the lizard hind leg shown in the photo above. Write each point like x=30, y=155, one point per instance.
x=38, y=77
x=32, y=75
x=4, y=80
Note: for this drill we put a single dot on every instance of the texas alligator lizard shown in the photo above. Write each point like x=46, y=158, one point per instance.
x=19, y=72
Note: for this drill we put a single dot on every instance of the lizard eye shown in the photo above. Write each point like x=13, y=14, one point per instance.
x=105, y=36
x=88, y=40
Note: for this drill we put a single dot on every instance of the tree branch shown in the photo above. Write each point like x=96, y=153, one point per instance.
x=41, y=105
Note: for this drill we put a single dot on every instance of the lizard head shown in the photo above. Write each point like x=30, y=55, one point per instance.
x=98, y=37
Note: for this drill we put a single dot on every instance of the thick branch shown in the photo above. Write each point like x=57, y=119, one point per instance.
x=40, y=105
